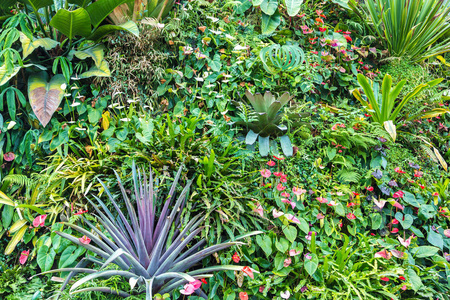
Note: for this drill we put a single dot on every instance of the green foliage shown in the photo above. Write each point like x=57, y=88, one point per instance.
x=284, y=58
x=412, y=29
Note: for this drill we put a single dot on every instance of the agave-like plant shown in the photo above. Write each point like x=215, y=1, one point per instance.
x=148, y=251
x=265, y=121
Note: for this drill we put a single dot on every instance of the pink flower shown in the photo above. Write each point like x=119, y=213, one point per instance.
x=197, y=284
x=39, y=221
x=398, y=254
x=398, y=205
x=298, y=191
x=188, y=289
x=403, y=288
x=335, y=126
x=9, y=156
x=285, y=295
x=380, y=203
x=271, y=163
x=395, y=221
x=293, y=204
x=398, y=194
x=292, y=219
x=294, y=252
x=332, y=203
x=283, y=178
x=320, y=216
x=399, y=171
x=259, y=209
x=351, y=216
x=265, y=173
x=248, y=271
x=369, y=188
x=243, y=296
x=278, y=174
x=321, y=200
x=24, y=256
x=84, y=240
x=384, y=279
x=447, y=233
x=236, y=257
x=406, y=242
x=384, y=254
x=280, y=187
x=287, y=262
x=284, y=194
x=277, y=214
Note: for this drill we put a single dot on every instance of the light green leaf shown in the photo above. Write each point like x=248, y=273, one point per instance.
x=424, y=251
x=290, y=232
x=100, y=9
x=29, y=46
x=104, y=30
x=293, y=7
x=414, y=279
x=391, y=129
x=72, y=23
x=270, y=22
x=269, y=6
x=265, y=242
x=45, y=258
x=311, y=264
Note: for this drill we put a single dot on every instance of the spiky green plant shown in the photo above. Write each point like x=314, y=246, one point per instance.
x=268, y=121
x=148, y=251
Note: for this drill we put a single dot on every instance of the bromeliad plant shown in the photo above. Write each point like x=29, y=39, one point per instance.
x=149, y=251
x=265, y=121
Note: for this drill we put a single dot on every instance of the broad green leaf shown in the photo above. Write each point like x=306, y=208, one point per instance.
x=69, y=256
x=279, y=261
x=5, y=199
x=282, y=245
x=72, y=23
x=29, y=46
x=304, y=226
x=293, y=7
x=96, y=53
x=37, y=4
x=311, y=264
x=376, y=220
x=435, y=239
x=414, y=279
x=7, y=3
x=18, y=235
x=290, y=232
x=80, y=3
x=265, y=242
x=270, y=22
x=94, y=71
x=269, y=6
x=45, y=96
x=45, y=258
x=104, y=30
x=424, y=251
x=405, y=220
x=7, y=215
x=100, y=9
x=411, y=199
x=286, y=145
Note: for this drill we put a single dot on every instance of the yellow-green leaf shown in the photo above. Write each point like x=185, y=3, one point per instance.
x=102, y=71
x=440, y=158
x=6, y=75
x=15, y=239
x=17, y=225
x=391, y=129
x=45, y=96
x=29, y=46
x=5, y=199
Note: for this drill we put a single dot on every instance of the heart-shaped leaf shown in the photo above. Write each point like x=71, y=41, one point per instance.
x=45, y=96
x=405, y=220
x=265, y=242
x=290, y=232
x=311, y=264
x=270, y=22
x=293, y=7
x=29, y=46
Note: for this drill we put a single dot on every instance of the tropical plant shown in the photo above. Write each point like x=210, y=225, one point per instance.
x=148, y=250
x=416, y=29
x=278, y=59
x=380, y=104
x=271, y=16
x=139, y=9
x=265, y=121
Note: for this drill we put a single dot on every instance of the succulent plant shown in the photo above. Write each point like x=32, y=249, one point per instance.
x=265, y=121
x=149, y=251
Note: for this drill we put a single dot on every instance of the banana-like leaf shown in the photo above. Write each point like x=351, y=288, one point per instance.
x=293, y=7
x=17, y=225
x=96, y=53
x=72, y=23
x=29, y=46
x=16, y=239
x=391, y=129
x=100, y=9
x=434, y=113
x=45, y=96
x=37, y=4
x=80, y=3
x=104, y=30
x=270, y=22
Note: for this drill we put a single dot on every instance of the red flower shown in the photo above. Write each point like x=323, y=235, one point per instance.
x=398, y=194
x=322, y=29
x=348, y=38
x=81, y=212
x=394, y=230
x=39, y=221
x=402, y=278
x=319, y=20
x=351, y=216
x=369, y=188
x=278, y=174
x=395, y=221
x=384, y=279
x=367, y=115
x=248, y=272
x=399, y=171
x=278, y=158
x=24, y=256
x=204, y=281
x=236, y=257
x=9, y=156
x=84, y=240
x=351, y=204
x=271, y=163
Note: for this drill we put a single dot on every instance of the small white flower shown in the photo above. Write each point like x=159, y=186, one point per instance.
x=75, y=78
x=217, y=32
x=285, y=295
x=210, y=85
x=120, y=107
x=80, y=129
x=63, y=86
x=239, y=48
x=113, y=105
x=74, y=87
x=131, y=101
x=198, y=78
x=214, y=20
x=67, y=95
x=125, y=120
x=227, y=76
x=11, y=125
x=229, y=37
x=75, y=104
x=219, y=96
x=224, y=81
x=71, y=122
x=79, y=97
